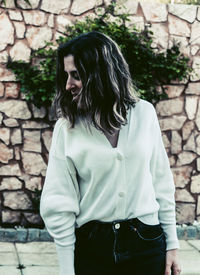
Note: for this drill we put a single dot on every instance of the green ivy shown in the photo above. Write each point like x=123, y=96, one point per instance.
x=192, y=2
x=149, y=69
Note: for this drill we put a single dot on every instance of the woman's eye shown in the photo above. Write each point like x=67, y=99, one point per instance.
x=76, y=76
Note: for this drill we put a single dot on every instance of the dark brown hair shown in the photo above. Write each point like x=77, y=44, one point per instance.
x=107, y=90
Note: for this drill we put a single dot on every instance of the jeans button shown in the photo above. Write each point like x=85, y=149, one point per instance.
x=117, y=226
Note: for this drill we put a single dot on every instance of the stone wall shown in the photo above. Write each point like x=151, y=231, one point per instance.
x=25, y=133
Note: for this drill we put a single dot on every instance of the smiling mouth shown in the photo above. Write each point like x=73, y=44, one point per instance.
x=75, y=96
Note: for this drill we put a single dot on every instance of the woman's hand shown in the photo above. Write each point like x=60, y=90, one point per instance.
x=172, y=263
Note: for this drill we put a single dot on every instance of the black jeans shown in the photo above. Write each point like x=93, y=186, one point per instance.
x=127, y=247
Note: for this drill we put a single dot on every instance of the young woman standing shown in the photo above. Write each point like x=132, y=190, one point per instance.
x=108, y=197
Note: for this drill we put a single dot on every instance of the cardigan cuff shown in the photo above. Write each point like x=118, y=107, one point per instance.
x=171, y=237
x=65, y=259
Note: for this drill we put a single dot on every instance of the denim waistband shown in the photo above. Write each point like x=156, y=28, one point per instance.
x=116, y=223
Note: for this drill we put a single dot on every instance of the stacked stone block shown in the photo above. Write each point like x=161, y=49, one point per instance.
x=25, y=131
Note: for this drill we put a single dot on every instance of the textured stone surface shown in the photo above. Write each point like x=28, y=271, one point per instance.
x=174, y=90
x=62, y=22
x=34, y=125
x=5, y=135
x=198, y=14
x=172, y=123
x=107, y=2
x=187, y=129
x=182, y=41
x=181, y=175
x=55, y=6
x=128, y=6
x=22, y=4
x=185, y=12
x=12, y=90
x=9, y=4
x=185, y=158
x=194, y=49
x=36, y=18
x=79, y=7
x=172, y=161
x=1, y=89
x=183, y=195
x=198, y=206
x=6, y=31
x=33, y=183
x=136, y=21
x=154, y=12
x=3, y=57
x=37, y=36
x=15, y=109
x=51, y=21
x=170, y=107
x=178, y=26
x=180, y=18
x=193, y=88
x=20, y=29
x=185, y=212
x=17, y=153
x=15, y=15
x=195, y=75
x=6, y=75
x=197, y=121
x=195, y=184
x=191, y=106
x=33, y=218
x=46, y=137
x=198, y=164
x=190, y=145
x=160, y=36
x=33, y=164
x=1, y=118
x=10, y=216
x=195, y=29
x=165, y=140
x=32, y=141
x=5, y=153
x=38, y=112
x=17, y=200
x=16, y=137
x=10, y=183
x=198, y=144
x=10, y=170
x=57, y=35
x=176, y=143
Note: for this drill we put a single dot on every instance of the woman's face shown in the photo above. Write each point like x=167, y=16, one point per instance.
x=73, y=84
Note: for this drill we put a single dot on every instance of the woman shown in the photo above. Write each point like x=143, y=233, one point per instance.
x=108, y=197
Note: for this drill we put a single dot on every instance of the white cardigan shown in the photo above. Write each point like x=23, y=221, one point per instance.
x=87, y=179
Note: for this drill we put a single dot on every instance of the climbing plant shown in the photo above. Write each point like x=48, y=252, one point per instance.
x=150, y=69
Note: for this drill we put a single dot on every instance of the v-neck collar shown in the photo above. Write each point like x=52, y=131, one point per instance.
x=121, y=141
x=118, y=135
x=121, y=136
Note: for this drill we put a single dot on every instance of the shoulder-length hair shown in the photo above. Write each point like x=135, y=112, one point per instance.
x=107, y=88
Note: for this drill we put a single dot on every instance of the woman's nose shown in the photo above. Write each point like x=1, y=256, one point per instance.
x=69, y=83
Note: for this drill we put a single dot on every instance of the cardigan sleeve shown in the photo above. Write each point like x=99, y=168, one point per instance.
x=163, y=185
x=59, y=203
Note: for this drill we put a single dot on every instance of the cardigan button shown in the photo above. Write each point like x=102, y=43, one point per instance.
x=119, y=156
x=121, y=194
